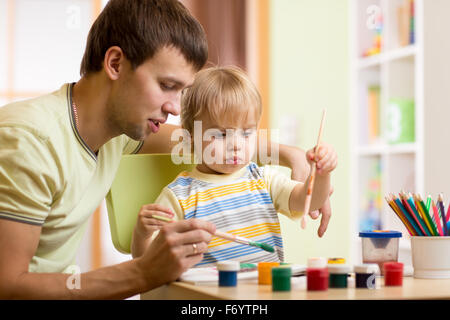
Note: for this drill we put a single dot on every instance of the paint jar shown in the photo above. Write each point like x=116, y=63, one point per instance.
x=366, y=276
x=336, y=261
x=380, y=246
x=338, y=275
x=228, y=273
x=393, y=274
x=265, y=272
x=430, y=258
x=281, y=278
x=317, y=274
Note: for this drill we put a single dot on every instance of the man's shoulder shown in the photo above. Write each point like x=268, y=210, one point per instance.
x=38, y=114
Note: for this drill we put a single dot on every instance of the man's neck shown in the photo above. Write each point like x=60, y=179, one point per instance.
x=90, y=95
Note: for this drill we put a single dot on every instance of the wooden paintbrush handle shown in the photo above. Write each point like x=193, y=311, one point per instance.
x=224, y=235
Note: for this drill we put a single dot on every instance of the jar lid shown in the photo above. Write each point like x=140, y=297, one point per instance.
x=339, y=269
x=267, y=265
x=228, y=265
x=336, y=261
x=281, y=272
x=317, y=262
x=380, y=234
x=393, y=266
x=367, y=268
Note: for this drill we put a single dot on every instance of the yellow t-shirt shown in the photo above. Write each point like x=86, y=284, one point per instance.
x=50, y=178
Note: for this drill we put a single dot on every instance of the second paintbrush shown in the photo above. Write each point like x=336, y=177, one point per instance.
x=230, y=237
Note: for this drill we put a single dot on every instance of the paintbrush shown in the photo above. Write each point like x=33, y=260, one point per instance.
x=242, y=240
x=313, y=174
x=229, y=236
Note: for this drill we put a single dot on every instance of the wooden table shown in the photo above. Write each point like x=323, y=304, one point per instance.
x=250, y=290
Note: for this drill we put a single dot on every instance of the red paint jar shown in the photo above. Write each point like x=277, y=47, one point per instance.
x=393, y=273
x=317, y=275
x=317, y=279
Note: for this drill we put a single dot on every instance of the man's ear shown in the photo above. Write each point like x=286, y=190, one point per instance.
x=113, y=62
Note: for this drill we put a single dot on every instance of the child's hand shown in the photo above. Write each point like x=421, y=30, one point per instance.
x=146, y=224
x=325, y=158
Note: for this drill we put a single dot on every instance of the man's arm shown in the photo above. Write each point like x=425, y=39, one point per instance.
x=169, y=255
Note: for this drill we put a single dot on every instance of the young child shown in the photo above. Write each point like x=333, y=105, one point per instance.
x=227, y=188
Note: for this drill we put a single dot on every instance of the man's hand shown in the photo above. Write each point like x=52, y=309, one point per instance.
x=178, y=246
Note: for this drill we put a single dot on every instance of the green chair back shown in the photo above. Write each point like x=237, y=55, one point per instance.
x=139, y=180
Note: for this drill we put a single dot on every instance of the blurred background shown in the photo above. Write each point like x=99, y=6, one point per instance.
x=378, y=66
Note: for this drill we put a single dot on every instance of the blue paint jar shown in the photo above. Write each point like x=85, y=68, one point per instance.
x=228, y=273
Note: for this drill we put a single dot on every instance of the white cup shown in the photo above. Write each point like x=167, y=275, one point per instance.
x=431, y=257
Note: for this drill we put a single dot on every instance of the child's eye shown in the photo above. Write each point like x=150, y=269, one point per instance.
x=247, y=133
x=220, y=135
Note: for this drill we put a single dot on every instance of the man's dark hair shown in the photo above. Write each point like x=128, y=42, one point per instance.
x=142, y=27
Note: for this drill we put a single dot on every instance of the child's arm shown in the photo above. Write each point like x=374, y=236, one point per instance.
x=326, y=161
x=147, y=227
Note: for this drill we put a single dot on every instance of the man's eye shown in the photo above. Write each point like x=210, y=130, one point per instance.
x=165, y=86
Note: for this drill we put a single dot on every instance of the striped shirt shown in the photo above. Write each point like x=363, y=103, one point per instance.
x=244, y=203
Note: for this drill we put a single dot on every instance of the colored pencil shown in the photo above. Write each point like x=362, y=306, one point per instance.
x=437, y=219
x=313, y=174
x=403, y=216
x=442, y=209
x=417, y=215
x=448, y=213
x=396, y=210
x=428, y=216
x=414, y=228
x=404, y=198
x=428, y=203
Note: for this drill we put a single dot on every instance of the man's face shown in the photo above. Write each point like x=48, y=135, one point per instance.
x=142, y=99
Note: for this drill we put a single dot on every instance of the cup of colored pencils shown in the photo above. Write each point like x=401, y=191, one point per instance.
x=427, y=222
x=421, y=218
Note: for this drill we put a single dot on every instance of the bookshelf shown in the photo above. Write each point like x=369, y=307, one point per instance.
x=400, y=83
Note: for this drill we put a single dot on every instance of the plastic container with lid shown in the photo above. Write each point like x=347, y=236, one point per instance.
x=393, y=274
x=228, y=273
x=365, y=275
x=317, y=274
x=380, y=246
x=281, y=278
x=338, y=274
x=265, y=272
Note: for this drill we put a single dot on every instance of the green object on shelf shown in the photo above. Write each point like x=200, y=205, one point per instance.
x=400, y=121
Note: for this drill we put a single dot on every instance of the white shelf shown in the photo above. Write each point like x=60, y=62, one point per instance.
x=385, y=57
x=419, y=72
x=383, y=149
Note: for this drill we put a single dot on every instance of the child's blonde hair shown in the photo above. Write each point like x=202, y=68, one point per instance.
x=225, y=94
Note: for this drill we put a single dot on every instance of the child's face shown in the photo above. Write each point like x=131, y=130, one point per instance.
x=227, y=149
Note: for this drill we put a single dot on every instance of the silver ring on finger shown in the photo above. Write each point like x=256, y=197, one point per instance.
x=194, y=246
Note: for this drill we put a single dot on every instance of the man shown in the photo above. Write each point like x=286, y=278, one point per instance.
x=60, y=153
